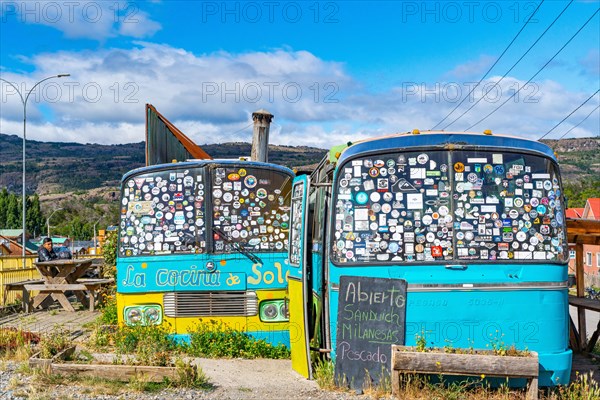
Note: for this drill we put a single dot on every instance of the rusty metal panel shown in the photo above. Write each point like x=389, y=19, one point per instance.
x=165, y=143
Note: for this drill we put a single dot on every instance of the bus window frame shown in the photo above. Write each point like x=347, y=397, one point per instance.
x=169, y=167
x=330, y=237
x=211, y=167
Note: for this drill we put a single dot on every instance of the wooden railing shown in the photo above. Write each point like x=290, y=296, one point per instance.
x=582, y=232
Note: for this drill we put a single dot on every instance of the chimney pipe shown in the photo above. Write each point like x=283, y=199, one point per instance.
x=260, y=135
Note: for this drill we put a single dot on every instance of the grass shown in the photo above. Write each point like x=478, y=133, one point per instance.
x=427, y=387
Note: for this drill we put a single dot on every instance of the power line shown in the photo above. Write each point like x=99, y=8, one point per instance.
x=488, y=71
x=580, y=122
x=571, y=113
x=536, y=74
x=239, y=130
x=513, y=66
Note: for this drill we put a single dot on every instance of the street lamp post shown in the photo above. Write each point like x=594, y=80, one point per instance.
x=48, y=220
x=95, y=245
x=24, y=101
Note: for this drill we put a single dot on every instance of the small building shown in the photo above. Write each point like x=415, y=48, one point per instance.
x=591, y=253
x=10, y=247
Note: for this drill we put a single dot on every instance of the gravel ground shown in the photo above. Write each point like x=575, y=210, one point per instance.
x=232, y=379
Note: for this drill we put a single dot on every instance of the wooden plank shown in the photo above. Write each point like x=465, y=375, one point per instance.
x=588, y=304
x=116, y=372
x=465, y=364
x=593, y=339
x=95, y=281
x=583, y=226
x=56, y=287
x=574, y=336
x=579, y=274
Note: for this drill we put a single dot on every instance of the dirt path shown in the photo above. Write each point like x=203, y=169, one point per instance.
x=258, y=379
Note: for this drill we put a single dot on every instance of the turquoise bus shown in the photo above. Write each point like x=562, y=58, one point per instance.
x=205, y=240
x=473, y=223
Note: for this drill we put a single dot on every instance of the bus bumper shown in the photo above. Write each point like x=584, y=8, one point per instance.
x=555, y=369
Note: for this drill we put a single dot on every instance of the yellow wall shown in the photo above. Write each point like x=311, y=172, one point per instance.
x=11, y=270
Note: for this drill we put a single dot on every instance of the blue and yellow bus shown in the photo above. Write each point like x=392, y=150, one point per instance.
x=206, y=240
x=475, y=225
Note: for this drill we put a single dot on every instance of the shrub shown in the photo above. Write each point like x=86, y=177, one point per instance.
x=217, y=339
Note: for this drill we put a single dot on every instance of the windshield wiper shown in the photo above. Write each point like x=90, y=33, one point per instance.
x=252, y=257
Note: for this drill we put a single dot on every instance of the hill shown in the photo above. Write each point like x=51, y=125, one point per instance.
x=54, y=168
x=69, y=167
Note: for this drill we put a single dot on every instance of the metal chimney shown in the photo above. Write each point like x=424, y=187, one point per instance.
x=260, y=135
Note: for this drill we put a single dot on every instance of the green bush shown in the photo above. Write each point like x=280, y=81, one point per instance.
x=151, y=345
x=216, y=339
x=108, y=307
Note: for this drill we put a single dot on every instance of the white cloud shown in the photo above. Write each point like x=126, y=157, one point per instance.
x=97, y=20
x=473, y=69
x=591, y=63
x=211, y=97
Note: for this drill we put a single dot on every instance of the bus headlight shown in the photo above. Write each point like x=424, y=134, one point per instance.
x=273, y=311
x=143, y=315
x=133, y=316
x=284, y=310
x=153, y=315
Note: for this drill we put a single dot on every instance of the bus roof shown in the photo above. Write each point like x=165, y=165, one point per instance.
x=202, y=163
x=440, y=139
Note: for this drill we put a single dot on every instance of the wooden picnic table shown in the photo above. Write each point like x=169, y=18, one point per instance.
x=60, y=276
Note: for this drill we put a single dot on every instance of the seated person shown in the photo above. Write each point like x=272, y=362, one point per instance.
x=46, y=252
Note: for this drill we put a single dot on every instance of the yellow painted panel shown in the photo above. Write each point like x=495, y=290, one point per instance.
x=184, y=325
x=298, y=335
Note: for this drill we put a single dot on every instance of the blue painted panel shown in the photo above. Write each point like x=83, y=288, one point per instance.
x=193, y=273
x=531, y=319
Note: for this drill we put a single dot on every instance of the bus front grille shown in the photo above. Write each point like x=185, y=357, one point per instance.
x=209, y=304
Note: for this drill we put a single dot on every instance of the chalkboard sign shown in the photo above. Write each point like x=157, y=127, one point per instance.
x=371, y=317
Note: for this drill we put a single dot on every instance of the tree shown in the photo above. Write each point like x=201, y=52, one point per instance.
x=35, y=219
x=3, y=207
x=13, y=211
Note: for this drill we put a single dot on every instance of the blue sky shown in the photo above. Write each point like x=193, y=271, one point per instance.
x=328, y=71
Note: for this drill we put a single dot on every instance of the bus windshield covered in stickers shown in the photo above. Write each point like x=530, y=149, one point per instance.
x=471, y=227
x=202, y=240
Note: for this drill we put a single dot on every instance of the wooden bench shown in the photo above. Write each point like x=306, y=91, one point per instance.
x=410, y=362
x=91, y=286
x=20, y=286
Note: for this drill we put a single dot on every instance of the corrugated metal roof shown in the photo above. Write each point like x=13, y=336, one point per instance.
x=165, y=143
x=11, y=232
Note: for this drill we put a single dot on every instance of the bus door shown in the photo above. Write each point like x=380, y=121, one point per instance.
x=299, y=290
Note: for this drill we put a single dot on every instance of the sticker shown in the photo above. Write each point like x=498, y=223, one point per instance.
x=362, y=198
x=250, y=181
x=261, y=193
x=459, y=167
